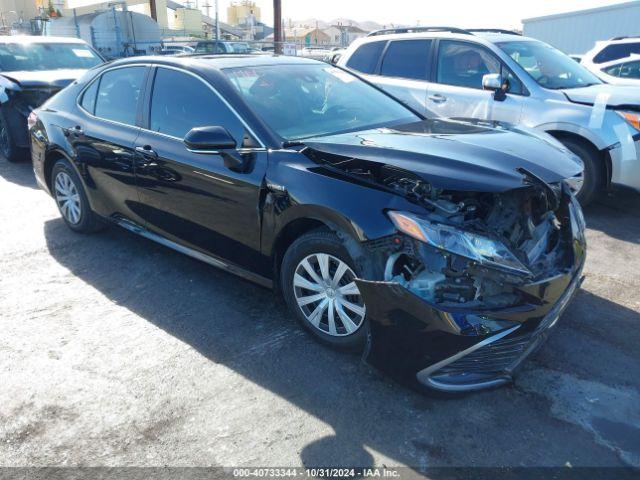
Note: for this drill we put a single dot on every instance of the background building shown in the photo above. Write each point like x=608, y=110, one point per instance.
x=577, y=32
x=243, y=11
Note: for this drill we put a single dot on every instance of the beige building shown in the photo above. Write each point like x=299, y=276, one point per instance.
x=189, y=19
x=239, y=11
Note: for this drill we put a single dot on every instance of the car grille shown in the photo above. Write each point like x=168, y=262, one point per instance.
x=496, y=358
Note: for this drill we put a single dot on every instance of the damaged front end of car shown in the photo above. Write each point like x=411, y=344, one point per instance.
x=473, y=281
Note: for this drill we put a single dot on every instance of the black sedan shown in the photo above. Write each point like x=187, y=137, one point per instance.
x=446, y=249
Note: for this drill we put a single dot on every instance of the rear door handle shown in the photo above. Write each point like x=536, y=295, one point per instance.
x=76, y=131
x=149, y=157
x=437, y=98
x=146, y=151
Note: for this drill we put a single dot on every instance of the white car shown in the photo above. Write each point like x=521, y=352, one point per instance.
x=32, y=69
x=625, y=71
x=607, y=51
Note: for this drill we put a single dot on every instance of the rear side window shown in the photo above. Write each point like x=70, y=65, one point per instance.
x=616, y=52
x=365, y=58
x=89, y=97
x=118, y=94
x=407, y=59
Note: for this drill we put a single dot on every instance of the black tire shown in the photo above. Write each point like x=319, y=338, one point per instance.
x=593, y=170
x=88, y=221
x=319, y=242
x=8, y=148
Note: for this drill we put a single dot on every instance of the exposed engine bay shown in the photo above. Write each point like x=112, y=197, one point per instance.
x=528, y=221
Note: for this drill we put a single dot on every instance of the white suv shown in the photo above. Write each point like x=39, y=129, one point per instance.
x=501, y=76
x=608, y=51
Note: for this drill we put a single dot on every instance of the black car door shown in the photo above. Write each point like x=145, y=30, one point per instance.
x=103, y=136
x=198, y=199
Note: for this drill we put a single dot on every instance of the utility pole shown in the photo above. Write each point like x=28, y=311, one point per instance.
x=277, y=26
x=217, y=21
x=152, y=10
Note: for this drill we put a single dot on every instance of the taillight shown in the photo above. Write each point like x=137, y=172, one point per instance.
x=32, y=120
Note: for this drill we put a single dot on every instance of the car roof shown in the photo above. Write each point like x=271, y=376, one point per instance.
x=38, y=39
x=490, y=37
x=219, y=61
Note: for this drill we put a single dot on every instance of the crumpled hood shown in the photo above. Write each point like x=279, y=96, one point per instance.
x=48, y=78
x=618, y=95
x=455, y=155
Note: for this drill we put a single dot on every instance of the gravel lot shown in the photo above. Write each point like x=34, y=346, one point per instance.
x=116, y=351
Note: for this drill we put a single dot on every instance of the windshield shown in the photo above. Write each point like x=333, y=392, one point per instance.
x=46, y=56
x=549, y=67
x=300, y=101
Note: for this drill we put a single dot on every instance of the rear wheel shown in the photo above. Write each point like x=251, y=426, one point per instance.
x=317, y=280
x=8, y=148
x=71, y=199
x=593, y=178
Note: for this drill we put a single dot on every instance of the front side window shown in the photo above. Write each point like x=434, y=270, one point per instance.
x=300, y=101
x=616, y=52
x=365, y=58
x=407, y=59
x=630, y=70
x=46, y=56
x=181, y=102
x=549, y=67
x=119, y=93
x=464, y=65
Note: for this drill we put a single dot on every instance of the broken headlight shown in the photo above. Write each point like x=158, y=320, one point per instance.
x=484, y=250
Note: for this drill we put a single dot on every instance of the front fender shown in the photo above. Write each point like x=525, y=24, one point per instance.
x=297, y=189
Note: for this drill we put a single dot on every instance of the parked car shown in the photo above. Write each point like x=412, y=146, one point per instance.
x=333, y=56
x=31, y=70
x=505, y=77
x=453, y=247
x=625, y=71
x=224, y=47
x=177, y=50
x=609, y=50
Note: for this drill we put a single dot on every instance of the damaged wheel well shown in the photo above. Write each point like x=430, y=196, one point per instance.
x=287, y=236
x=601, y=155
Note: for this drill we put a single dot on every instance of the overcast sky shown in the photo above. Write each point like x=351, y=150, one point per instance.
x=459, y=13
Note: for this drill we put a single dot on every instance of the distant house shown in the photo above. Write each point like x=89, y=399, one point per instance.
x=304, y=36
x=343, y=35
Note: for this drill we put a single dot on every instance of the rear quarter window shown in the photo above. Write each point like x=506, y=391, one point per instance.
x=616, y=52
x=365, y=58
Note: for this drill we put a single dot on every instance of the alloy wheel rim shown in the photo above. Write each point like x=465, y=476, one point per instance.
x=68, y=198
x=328, y=296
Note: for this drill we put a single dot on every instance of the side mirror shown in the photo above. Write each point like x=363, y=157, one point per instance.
x=495, y=83
x=204, y=139
x=492, y=81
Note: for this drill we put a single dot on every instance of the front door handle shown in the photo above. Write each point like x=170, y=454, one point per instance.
x=437, y=98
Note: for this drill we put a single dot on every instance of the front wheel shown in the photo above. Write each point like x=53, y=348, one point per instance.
x=8, y=148
x=593, y=177
x=317, y=281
